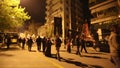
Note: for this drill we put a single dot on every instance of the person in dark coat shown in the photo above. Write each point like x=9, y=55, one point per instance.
x=48, y=48
x=69, y=46
x=19, y=41
x=58, y=45
x=23, y=40
x=78, y=45
x=44, y=41
x=83, y=44
x=65, y=42
x=38, y=41
x=8, y=42
x=30, y=42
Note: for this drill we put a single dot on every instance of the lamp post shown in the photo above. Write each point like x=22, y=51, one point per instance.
x=119, y=15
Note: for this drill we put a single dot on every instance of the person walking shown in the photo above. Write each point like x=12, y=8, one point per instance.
x=8, y=42
x=38, y=41
x=65, y=42
x=114, y=47
x=78, y=45
x=30, y=42
x=83, y=44
x=48, y=48
x=58, y=45
x=44, y=41
x=69, y=46
x=19, y=41
x=23, y=40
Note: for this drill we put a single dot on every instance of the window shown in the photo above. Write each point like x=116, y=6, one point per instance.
x=67, y=2
x=67, y=8
x=67, y=16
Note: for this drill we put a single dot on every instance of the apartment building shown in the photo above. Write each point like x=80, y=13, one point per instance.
x=104, y=12
x=65, y=17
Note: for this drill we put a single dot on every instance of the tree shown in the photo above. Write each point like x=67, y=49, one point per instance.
x=12, y=15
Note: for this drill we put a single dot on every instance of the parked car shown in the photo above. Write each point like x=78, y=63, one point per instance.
x=89, y=42
x=102, y=46
x=1, y=38
x=13, y=37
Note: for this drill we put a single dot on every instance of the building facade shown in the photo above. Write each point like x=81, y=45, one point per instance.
x=104, y=12
x=70, y=14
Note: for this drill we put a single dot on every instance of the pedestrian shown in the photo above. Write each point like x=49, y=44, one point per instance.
x=65, y=42
x=48, y=48
x=23, y=40
x=44, y=41
x=38, y=41
x=58, y=45
x=83, y=44
x=19, y=41
x=8, y=41
x=69, y=46
x=114, y=47
x=78, y=45
x=29, y=42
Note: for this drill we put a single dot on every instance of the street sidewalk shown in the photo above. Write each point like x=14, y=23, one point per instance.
x=92, y=59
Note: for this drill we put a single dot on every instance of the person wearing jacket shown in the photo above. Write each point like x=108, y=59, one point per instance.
x=58, y=43
x=114, y=46
x=30, y=42
x=48, y=48
x=38, y=41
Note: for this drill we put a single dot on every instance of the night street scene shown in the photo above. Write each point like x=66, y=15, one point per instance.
x=59, y=33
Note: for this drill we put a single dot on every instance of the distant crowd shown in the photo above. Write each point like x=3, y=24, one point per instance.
x=43, y=44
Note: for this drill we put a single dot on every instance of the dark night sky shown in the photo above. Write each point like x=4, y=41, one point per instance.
x=35, y=8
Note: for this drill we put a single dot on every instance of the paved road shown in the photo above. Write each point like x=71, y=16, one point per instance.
x=17, y=58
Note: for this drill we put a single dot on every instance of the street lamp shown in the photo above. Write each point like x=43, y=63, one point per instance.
x=119, y=7
x=119, y=16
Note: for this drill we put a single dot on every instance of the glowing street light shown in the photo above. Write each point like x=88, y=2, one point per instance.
x=119, y=16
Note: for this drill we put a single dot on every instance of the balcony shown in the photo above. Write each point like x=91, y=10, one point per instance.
x=103, y=19
x=97, y=2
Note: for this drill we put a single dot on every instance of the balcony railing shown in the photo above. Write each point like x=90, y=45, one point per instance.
x=97, y=2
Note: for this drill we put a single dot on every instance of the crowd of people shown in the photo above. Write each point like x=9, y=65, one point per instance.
x=43, y=44
x=113, y=42
x=80, y=42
